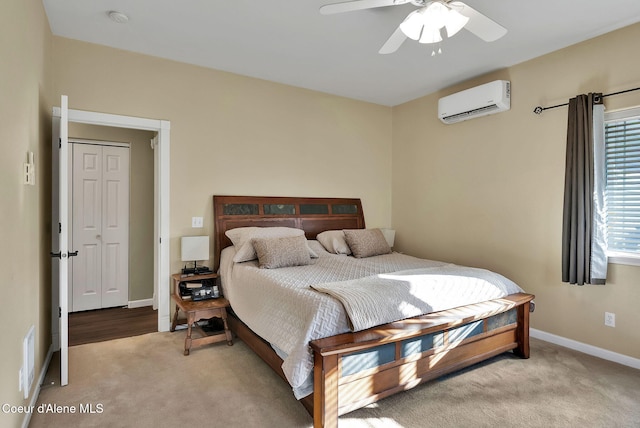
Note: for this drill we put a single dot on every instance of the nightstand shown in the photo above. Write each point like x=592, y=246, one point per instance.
x=199, y=310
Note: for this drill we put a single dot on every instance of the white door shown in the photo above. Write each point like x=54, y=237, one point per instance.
x=100, y=232
x=115, y=226
x=59, y=240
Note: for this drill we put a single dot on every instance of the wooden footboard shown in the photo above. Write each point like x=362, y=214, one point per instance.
x=352, y=370
x=355, y=369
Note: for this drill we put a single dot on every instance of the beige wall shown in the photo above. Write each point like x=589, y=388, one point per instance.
x=140, y=201
x=25, y=100
x=488, y=192
x=236, y=135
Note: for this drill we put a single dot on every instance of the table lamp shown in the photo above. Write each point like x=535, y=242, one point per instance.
x=194, y=249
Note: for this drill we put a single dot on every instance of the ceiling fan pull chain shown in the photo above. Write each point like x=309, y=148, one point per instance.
x=433, y=51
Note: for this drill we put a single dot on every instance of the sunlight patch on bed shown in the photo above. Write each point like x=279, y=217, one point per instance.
x=424, y=287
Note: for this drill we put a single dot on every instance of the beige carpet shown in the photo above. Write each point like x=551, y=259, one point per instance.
x=145, y=381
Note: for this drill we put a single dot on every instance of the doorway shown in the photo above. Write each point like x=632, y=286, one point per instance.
x=61, y=117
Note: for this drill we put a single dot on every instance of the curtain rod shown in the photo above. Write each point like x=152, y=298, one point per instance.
x=540, y=109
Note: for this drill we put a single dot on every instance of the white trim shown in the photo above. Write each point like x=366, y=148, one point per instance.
x=625, y=360
x=36, y=391
x=156, y=220
x=140, y=303
x=162, y=212
x=625, y=113
x=624, y=258
x=111, y=120
x=162, y=240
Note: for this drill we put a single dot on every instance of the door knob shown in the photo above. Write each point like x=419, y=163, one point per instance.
x=98, y=236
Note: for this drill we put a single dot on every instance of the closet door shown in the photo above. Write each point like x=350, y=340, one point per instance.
x=115, y=226
x=100, y=272
x=86, y=273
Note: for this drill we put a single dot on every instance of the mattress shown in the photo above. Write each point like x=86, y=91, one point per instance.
x=280, y=306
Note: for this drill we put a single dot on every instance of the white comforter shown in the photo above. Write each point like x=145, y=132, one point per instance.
x=280, y=306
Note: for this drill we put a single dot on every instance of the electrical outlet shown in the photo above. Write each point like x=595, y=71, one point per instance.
x=609, y=319
x=197, y=222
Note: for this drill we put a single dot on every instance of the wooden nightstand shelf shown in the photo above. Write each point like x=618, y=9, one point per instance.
x=199, y=310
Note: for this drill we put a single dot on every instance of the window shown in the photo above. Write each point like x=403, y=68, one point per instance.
x=622, y=188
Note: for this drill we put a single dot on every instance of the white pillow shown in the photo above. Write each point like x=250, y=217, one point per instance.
x=241, y=238
x=334, y=242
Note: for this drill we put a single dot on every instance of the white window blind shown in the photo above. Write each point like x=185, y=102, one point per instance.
x=622, y=157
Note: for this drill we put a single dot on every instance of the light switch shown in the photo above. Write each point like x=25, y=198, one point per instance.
x=30, y=170
x=197, y=222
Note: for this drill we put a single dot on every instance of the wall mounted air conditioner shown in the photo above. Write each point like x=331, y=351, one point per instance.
x=492, y=97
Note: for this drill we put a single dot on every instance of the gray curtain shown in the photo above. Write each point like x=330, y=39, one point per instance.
x=577, y=233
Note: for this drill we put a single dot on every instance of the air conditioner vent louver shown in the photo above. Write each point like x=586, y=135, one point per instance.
x=465, y=115
x=480, y=101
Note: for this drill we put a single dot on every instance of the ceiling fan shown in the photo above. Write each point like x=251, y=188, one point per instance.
x=426, y=24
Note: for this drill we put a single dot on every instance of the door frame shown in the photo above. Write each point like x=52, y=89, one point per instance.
x=161, y=210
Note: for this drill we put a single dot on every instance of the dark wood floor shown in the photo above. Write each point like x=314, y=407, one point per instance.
x=113, y=323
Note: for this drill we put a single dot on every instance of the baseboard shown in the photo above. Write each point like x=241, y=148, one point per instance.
x=36, y=391
x=140, y=303
x=586, y=349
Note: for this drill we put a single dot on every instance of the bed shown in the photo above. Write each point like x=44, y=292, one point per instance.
x=353, y=369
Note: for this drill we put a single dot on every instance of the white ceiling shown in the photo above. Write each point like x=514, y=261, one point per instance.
x=288, y=41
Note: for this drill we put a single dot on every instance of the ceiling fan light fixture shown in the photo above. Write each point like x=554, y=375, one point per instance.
x=430, y=35
x=413, y=23
x=435, y=15
x=425, y=23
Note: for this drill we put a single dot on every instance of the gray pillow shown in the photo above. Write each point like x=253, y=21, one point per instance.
x=366, y=242
x=281, y=252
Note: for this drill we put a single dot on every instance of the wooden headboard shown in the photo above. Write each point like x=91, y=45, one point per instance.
x=313, y=215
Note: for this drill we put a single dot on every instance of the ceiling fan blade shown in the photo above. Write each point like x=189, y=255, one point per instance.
x=349, y=6
x=480, y=25
x=393, y=43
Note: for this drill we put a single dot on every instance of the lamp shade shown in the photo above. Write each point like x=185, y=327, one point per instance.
x=412, y=25
x=435, y=15
x=430, y=35
x=194, y=248
x=389, y=236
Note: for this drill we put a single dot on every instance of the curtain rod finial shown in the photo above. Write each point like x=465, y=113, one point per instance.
x=538, y=110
